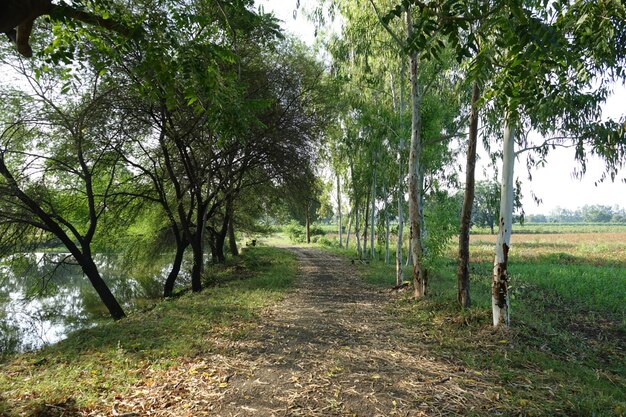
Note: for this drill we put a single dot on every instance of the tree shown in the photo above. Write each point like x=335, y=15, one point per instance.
x=60, y=173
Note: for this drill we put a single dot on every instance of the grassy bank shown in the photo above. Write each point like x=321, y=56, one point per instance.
x=89, y=369
x=564, y=354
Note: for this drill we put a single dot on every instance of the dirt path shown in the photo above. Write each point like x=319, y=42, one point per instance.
x=331, y=349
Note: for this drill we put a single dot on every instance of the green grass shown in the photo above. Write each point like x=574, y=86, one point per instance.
x=92, y=365
x=564, y=353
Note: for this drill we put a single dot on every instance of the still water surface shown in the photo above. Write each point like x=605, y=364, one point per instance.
x=44, y=296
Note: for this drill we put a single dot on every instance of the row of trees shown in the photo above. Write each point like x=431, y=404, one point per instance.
x=594, y=213
x=171, y=139
x=441, y=72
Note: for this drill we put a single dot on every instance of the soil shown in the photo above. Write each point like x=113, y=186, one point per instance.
x=330, y=348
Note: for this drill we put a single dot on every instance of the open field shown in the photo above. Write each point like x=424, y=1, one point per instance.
x=558, y=228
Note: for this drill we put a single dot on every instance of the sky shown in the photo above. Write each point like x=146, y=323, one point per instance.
x=553, y=183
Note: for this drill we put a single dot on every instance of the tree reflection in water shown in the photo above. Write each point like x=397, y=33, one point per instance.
x=44, y=296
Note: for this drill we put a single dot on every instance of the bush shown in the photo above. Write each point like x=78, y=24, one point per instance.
x=297, y=232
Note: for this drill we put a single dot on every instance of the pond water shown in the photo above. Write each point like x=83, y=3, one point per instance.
x=44, y=296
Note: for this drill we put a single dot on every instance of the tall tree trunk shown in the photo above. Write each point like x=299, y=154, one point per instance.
x=399, y=243
x=373, y=222
x=308, y=223
x=499, y=286
x=349, y=227
x=232, y=239
x=357, y=229
x=366, y=220
x=168, y=290
x=340, y=231
x=462, y=273
x=386, y=225
x=399, y=270
x=415, y=181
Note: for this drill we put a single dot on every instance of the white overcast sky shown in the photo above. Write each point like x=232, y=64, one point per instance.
x=554, y=183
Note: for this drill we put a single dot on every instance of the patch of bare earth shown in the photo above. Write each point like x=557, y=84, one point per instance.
x=329, y=349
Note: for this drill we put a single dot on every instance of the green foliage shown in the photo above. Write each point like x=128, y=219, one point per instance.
x=297, y=232
x=442, y=222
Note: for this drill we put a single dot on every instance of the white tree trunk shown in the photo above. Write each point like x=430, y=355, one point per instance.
x=386, y=225
x=399, y=270
x=339, y=211
x=373, y=217
x=355, y=205
x=365, y=222
x=499, y=286
x=415, y=151
x=356, y=231
x=349, y=227
x=399, y=244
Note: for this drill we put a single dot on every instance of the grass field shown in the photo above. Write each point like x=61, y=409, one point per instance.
x=565, y=351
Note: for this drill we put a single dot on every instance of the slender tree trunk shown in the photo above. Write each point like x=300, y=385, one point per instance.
x=462, y=273
x=373, y=222
x=409, y=254
x=308, y=223
x=366, y=220
x=357, y=230
x=340, y=231
x=499, y=286
x=399, y=243
x=349, y=227
x=232, y=239
x=423, y=231
x=386, y=225
x=399, y=270
x=415, y=151
x=178, y=261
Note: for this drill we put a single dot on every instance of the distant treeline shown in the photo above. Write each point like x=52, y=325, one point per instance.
x=586, y=214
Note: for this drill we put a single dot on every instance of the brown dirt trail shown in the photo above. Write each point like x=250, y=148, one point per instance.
x=331, y=349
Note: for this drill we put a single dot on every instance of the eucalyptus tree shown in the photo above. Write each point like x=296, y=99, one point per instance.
x=554, y=80
x=399, y=34
x=371, y=58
